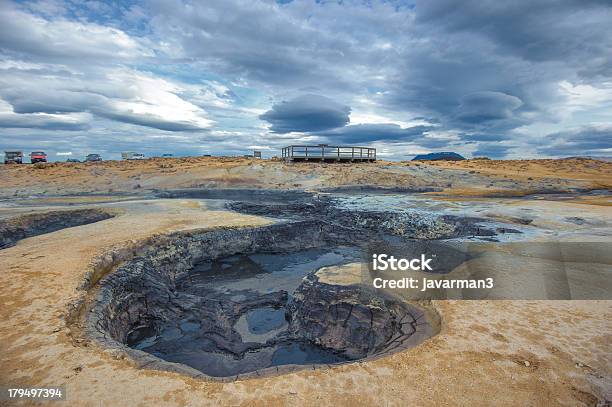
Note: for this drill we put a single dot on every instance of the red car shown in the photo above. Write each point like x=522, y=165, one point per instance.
x=38, y=157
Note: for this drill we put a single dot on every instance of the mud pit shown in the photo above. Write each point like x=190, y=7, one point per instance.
x=240, y=302
x=233, y=303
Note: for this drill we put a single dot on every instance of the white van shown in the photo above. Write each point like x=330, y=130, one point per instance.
x=132, y=156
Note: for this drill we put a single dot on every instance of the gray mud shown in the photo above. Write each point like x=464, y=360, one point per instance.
x=233, y=303
x=408, y=224
x=14, y=229
x=241, y=302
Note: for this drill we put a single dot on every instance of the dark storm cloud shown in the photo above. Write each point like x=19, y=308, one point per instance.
x=37, y=121
x=588, y=140
x=24, y=100
x=521, y=49
x=367, y=133
x=568, y=31
x=290, y=46
x=480, y=107
x=306, y=113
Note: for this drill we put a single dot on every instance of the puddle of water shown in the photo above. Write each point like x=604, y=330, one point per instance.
x=261, y=331
x=264, y=320
x=265, y=273
x=143, y=336
x=302, y=353
x=261, y=324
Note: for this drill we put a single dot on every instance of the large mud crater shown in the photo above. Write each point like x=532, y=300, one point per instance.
x=233, y=303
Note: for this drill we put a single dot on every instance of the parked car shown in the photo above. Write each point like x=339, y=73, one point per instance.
x=167, y=155
x=132, y=156
x=72, y=160
x=13, y=157
x=93, y=157
x=38, y=157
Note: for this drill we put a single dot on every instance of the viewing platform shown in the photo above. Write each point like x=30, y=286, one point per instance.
x=326, y=153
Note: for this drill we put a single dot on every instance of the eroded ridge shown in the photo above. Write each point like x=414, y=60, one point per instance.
x=20, y=227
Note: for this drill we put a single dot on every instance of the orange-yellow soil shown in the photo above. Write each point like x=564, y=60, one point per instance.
x=471, y=177
x=503, y=353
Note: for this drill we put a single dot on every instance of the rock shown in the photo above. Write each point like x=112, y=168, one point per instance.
x=14, y=229
x=352, y=320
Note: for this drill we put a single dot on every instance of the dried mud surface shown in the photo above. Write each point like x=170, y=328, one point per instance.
x=507, y=353
x=471, y=177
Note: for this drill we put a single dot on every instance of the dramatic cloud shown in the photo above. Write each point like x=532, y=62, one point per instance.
x=590, y=140
x=504, y=79
x=481, y=107
x=367, y=133
x=42, y=121
x=306, y=113
x=122, y=95
x=60, y=39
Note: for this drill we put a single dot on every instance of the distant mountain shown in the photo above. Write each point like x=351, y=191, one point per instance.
x=447, y=155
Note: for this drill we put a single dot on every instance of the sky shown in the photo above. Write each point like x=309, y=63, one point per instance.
x=519, y=79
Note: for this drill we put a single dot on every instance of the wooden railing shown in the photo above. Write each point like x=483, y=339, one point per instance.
x=329, y=153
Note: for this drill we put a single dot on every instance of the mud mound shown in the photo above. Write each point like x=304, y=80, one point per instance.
x=410, y=225
x=354, y=321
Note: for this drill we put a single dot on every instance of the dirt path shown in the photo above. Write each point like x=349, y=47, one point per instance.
x=489, y=352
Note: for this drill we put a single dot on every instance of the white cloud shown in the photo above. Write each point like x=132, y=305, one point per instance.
x=156, y=98
x=180, y=74
x=121, y=94
x=361, y=117
x=28, y=34
x=585, y=96
x=70, y=122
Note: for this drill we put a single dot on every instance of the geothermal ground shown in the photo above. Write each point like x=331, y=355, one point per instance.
x=240, y=282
